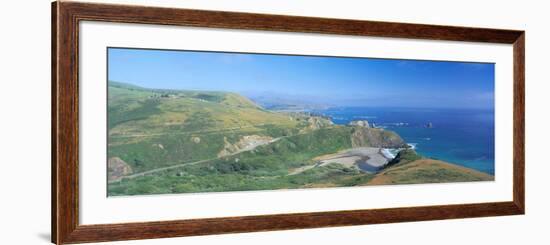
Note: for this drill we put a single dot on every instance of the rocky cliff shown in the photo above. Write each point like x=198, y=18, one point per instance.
x=360, y=123
x=375, y=137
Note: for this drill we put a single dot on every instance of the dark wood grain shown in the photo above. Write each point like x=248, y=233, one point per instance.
x=66, y=124
x=54, y=123
x=519, y=122
x=196, y=227
x=65, y=121
x=234, y=20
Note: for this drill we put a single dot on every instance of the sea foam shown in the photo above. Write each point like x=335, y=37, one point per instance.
x=389, y=153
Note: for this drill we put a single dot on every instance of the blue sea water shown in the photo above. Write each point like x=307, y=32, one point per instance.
x=464, y=137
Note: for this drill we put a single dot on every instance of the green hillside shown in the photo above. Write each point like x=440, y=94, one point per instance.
x=151, y=128
x=179, y=141
x=266, y=167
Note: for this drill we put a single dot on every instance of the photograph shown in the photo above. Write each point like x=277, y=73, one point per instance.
x=202, y=121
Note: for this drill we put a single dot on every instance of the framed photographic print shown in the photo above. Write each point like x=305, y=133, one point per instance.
x=175, y=122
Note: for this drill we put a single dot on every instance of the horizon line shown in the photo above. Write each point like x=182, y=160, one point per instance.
x=328, y=106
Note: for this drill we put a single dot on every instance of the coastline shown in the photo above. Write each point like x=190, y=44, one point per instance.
x=391, y=153
x=470, y=148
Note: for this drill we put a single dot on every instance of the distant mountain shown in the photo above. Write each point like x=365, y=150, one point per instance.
x=284, y=102
x=125, y=85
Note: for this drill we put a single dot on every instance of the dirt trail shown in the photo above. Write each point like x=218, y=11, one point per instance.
x=159, y=170
x=156, y=170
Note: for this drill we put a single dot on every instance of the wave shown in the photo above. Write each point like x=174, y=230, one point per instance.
x=365, y=117
x=389, y=153
x=480, y=158
x=396, y=124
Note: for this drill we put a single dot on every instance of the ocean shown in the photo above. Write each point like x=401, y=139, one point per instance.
x=464, y=137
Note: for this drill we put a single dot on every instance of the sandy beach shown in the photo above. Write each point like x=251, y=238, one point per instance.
x=368, y=159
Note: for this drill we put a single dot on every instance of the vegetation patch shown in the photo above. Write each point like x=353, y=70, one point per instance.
x=177, y=141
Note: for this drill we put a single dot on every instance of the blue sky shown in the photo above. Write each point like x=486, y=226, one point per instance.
x=329, y=80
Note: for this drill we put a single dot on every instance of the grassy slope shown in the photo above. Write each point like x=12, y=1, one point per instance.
x=264, y=168
x=189, y=181
x=154, y=128
x=149, y=129
x=147, y=111
x=410, y=168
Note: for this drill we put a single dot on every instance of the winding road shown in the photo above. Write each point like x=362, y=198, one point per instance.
x=156, y=170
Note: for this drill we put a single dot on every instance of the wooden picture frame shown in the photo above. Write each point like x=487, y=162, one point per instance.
x=65, y=121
